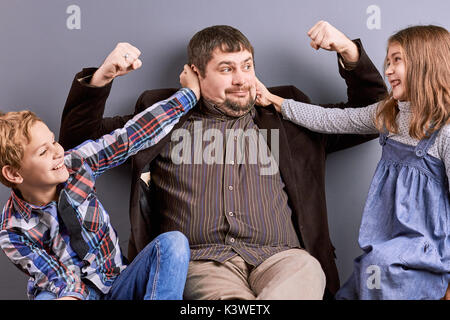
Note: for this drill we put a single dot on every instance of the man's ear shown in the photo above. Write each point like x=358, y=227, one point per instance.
x=12, y=174
x=195, y=69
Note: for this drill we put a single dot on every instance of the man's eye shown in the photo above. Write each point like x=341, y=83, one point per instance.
x=226, y=69
x=43, y=152
x=247, y=67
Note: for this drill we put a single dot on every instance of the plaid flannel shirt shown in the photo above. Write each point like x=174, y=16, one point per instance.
x=35, y=241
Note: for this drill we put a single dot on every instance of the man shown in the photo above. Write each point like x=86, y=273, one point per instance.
x=252, y=234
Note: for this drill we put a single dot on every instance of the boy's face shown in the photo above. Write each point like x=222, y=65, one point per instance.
x=42, y=165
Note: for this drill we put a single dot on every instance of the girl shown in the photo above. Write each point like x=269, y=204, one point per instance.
x=404, y=231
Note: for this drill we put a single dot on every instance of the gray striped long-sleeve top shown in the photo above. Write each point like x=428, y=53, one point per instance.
x=361, y=121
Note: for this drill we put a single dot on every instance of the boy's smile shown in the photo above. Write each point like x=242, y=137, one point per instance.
x=42, y=167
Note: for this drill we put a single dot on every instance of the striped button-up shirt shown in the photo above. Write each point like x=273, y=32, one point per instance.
x=35, y=239
x=219, y=184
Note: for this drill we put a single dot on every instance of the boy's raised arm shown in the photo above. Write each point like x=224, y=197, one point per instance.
x=142, y=131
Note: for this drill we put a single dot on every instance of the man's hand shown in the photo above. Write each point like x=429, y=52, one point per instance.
x=265, y=98
x=189, y=79
x=123, y=59
x=324, y=35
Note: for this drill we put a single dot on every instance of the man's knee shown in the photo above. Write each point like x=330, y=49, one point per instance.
x=292, y=274
x=315, y=269
x=310, y=267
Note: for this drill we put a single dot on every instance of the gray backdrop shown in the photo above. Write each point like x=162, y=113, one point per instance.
x=44, y=43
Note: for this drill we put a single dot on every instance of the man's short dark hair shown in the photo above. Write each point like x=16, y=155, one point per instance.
x=204, y=42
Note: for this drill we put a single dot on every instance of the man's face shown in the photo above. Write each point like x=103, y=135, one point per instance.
x=230, y=82
x=42, y=166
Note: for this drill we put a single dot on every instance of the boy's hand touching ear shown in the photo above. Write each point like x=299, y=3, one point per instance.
x=123, y=59
x=189, y=79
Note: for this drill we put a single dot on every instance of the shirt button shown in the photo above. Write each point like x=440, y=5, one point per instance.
x=230, y=214
x=230, y=188
x=232, y=162
x=232, y=240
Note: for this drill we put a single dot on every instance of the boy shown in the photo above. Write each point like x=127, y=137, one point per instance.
x=54, y=228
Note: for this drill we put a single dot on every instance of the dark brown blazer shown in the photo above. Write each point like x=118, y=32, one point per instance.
x=302, y=156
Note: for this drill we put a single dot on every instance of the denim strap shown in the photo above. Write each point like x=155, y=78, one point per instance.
x=425, y=144
x=383, y=136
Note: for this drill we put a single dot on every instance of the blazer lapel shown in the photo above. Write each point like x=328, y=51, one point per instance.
x=268, y=118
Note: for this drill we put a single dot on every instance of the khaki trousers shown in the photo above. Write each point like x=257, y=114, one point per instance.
x=289, y=275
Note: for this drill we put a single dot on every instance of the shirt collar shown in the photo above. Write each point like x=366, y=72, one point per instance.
x=23, y=207
x=404, y=106
x=211, y=110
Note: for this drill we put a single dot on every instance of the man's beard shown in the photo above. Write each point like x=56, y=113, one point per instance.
x=235, y=109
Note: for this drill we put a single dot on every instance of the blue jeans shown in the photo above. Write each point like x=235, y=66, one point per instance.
x=157, y=273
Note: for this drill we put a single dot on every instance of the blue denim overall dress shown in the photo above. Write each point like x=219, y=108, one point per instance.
x=404, y=230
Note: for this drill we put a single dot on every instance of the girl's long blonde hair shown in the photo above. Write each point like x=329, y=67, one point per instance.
x=426, y=53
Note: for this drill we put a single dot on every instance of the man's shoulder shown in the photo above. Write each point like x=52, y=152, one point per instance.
x=150, y=97
x=289, y=92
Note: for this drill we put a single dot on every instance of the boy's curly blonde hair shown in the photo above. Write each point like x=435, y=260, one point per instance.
x=14, y=135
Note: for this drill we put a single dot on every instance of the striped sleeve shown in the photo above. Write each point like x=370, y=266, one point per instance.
x=46, y=271
x=142, y=131
x=331, y=120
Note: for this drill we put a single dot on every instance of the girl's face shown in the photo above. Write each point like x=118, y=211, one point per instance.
x=396, y=71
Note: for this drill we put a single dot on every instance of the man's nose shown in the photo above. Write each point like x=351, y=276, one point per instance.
x=238, y=78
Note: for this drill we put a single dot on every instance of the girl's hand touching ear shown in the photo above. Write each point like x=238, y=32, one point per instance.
x=264, y=98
